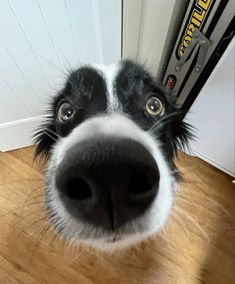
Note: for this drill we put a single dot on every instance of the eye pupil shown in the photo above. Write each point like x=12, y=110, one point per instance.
x=67, y=112
x=153, y=107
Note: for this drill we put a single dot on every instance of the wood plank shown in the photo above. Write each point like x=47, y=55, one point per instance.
x=196, y=246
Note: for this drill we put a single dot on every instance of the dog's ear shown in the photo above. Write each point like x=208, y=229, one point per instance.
x=45, y=137
x=181, y=131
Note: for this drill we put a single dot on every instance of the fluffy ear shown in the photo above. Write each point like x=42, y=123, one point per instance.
x=181, y=131
x=45, y=137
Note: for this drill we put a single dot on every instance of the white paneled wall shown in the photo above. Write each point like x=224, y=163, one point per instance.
x=146, y=23
x=40, y=40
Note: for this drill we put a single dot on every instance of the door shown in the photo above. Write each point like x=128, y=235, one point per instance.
x=40, y=41
x=213, y=116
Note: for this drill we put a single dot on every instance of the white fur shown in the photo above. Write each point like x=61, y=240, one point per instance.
x=109, y=73
x=114, y=125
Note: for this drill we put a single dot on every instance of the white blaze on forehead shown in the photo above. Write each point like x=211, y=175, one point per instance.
x=109, y=73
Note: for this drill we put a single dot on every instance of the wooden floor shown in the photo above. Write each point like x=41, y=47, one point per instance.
x=197, y=245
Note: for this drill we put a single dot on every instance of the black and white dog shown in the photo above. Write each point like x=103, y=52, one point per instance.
x=110, y=137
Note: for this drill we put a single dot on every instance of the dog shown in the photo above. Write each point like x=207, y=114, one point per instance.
x=109, y=139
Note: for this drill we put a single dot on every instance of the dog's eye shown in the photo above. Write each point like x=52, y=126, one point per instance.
x=154, y=106
x=65, y=112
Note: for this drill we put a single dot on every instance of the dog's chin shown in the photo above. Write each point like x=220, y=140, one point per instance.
x=107, y=241
x=117, y=242
x=78, y=233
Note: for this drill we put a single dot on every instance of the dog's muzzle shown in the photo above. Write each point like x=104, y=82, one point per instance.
x=107, y=181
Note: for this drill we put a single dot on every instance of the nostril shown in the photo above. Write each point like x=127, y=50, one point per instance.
x=141, y=183
x=78, y=189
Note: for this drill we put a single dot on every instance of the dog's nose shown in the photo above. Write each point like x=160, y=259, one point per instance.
x=107, y=181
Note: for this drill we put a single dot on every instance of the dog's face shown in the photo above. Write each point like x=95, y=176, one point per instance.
x=110, y=138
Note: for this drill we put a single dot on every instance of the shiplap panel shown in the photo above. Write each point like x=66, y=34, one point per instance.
x=156, y=16
x=6, y=114
x=40, y=41
x=146, y=23
x=107, y=33
x=83, y=18
x=12, y=101
x=132, y=13
x=34, y=30
x=15, y=80
x=58, y=24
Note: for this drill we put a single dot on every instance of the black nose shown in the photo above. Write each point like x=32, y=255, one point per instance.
x=107, y=181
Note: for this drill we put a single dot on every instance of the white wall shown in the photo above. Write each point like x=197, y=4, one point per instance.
x=213, y=115
x=40, y=40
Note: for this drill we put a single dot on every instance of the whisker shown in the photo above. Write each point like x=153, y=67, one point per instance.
x=174, y=216
x=218, y=205
x=31, y=193
x=36, y=197
x=53, y=138
x=186, y=215
x=21, y=207
x=159, y=122
x=39, y=210
x=55, y=235
x=53, y=132
x=30, y=224
x=42, y=235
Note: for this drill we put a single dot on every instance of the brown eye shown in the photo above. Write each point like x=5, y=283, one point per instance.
x=154, y=106
x=65, y=112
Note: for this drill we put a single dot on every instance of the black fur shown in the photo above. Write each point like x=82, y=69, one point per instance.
x=134, y=85
x=86, y=90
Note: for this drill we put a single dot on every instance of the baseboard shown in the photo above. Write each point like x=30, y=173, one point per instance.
x=18, y=134
x=194, y=153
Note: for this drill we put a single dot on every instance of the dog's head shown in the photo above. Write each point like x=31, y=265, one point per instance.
x=110, y=138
